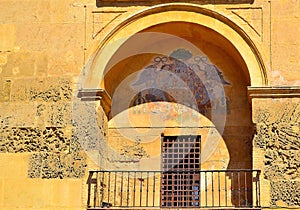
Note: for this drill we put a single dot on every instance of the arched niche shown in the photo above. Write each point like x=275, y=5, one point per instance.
x=228, y=129
x=128, y=50
x=177, y=12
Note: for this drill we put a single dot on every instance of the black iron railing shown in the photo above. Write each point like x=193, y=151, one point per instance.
x=174, y=189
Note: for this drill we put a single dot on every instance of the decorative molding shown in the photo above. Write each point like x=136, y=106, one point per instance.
x=239, y=13
x=187, y=7
x=96, y=95
x=101, y=3
x=274, y=92
x=96, y=32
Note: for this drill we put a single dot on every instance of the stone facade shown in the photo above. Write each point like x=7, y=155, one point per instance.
x=51, y=51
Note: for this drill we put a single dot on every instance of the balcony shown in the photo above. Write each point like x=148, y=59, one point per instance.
x=210, y=189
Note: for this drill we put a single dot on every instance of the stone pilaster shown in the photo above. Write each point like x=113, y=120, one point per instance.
x=276, y=114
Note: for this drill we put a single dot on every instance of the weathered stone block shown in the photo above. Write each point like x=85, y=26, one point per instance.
x=17, y=114
x=281, y=164
x=285, y=193
x=41, y=64
x=13, y=166
x=23, y=139
x=54, y=140
x=57, y=114
x=44, y=90
x=19, y=64
x=5, y=90
x=33, y=139
x=278, y=126
x=7, y=37
x=85, y=120
x=59, y=156
x=51, y=89
x=3, y=59
x=57, y=165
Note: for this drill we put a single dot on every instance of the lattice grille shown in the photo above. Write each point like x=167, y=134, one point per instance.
x=180, y=186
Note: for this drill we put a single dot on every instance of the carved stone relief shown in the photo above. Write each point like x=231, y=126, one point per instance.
x=278, y=133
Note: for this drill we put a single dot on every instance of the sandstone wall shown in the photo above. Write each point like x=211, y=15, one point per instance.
x=45, y=130
x=43, y=164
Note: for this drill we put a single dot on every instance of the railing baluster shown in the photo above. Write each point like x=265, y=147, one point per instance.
x=134, y=188
x=154, y=174
x=108, y=190
x=258, y=181
x=96, y=190
x=212, y=188
x=89, y=188
x=128, y=188
x=115, y=188
x=200, y=188
x=147, y=188
x=239, y=187
x=205, y=189
x=232, y=187
x=246, y=188
x=225, y=189
x=257, y=189
x=219, y=188
x=253, y=193
x=141, y=188
x=121, y=197
x=102, y=185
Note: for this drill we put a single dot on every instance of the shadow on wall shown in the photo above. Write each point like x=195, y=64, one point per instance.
x=126, y=3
